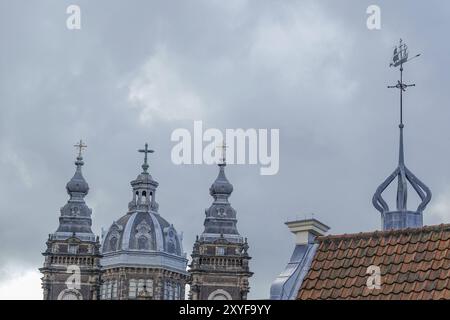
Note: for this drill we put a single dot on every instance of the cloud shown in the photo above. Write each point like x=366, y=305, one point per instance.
x=300, y=42
x=12, y=159
x=440, y=207
x=136, y=72
x=21, y=284
x=161, y=93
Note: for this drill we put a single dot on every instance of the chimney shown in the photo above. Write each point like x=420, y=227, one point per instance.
x=307, y=230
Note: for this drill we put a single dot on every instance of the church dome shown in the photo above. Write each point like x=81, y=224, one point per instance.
x=77, y=184
x=142, y=231
x=221, y=186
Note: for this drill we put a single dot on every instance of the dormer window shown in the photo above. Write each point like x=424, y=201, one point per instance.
x=72, y=249
x=113, y=244
x=142, y=243
x=220, y=251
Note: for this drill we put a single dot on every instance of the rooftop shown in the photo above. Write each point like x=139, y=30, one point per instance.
x=414, y=264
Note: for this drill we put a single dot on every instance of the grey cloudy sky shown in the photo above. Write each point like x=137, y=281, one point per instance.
x=137, y=70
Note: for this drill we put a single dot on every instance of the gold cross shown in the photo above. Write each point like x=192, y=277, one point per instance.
x=80, y=146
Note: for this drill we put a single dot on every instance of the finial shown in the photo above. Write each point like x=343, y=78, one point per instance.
x=223, y=159
x=80, y=146
x=145, y=151
x=401, y=218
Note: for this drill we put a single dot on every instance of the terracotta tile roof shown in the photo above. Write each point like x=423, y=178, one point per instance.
x=414, y=264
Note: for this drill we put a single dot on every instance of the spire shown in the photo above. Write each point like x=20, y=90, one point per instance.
x=77, y=186
x=402, y=217
x=75, y=219
x=221, y=186
x=220, y=221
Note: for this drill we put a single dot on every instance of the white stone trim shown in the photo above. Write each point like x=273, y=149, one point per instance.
x=158, y=233
x=219, y=291
x=70, y=291
x=127, y=232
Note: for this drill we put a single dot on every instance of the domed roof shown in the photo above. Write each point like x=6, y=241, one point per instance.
x=142, y=231
x=77, y=184
x=221, y=185
x=142, y=237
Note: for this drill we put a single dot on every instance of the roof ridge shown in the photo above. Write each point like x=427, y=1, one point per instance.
x=378, y=233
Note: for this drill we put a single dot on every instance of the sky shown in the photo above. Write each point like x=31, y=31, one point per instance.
x=138, y=70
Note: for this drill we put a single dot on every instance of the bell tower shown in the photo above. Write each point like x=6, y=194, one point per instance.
x=71, y=269
x=220, y=261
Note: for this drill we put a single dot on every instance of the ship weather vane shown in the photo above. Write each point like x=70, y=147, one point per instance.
x=399, y=58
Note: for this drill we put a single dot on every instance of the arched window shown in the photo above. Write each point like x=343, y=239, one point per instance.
x=108, y=290
x=132, y=289
x=103, y=291
x=144, y=197
x=149, y=284
x=219, y=294
x=114, y=289
x=141, y=284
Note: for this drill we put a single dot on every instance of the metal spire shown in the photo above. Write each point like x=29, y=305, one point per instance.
x=401, y=218
x=146, y=151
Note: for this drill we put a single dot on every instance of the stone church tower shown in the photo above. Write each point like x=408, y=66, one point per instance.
x=143, y=256
x=219, y=268
x=72, y=260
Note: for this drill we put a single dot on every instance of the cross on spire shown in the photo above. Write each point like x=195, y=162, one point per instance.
x=80, y=146
x=223, y=148
x=146, y=151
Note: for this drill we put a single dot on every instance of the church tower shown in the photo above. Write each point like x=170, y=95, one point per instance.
x=219, y=268
x=143, y=257
x=72, y=260
x=401, y=218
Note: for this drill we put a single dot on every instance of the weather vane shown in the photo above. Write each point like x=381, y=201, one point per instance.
x=400, y=57
x=401, y=217
x=146, y=151
x=80, y=146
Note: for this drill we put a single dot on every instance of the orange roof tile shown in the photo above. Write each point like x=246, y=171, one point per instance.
x=414, y=265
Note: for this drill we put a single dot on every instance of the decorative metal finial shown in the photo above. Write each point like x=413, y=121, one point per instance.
x=80, y=146
x=223, y=147
x=146, y=151
x=408, y=218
